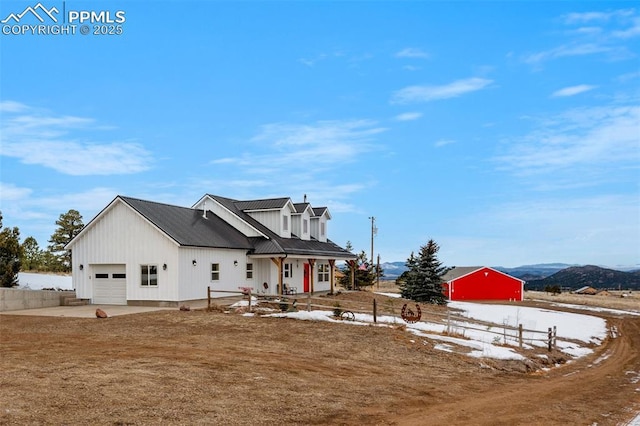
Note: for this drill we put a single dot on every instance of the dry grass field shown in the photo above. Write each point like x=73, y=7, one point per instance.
x=615, y=300
x=199, y=367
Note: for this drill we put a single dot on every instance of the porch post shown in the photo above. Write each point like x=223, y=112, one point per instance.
x=278, y=262
x=311, y=263
x=332, y=264
x=352, y=265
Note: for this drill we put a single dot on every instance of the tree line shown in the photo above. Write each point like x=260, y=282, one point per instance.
x=28, y=256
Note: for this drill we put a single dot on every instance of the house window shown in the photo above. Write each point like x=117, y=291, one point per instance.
x=149, y=275
x=322, y=228
x=305, y=226
x=215, y=271
x=323, y=272
x=249, y=271
x=288, y=270
x=285, y=223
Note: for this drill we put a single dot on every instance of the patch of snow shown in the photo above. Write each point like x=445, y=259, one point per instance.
x=245, y=303
x=394, y=295
x=585, y=328
x=596, y=309
x=32, y=281
x=491, y=341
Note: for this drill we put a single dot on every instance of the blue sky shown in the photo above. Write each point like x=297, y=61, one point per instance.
x=509, y=132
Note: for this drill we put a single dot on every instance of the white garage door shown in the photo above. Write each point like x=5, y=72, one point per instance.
x=109, y=284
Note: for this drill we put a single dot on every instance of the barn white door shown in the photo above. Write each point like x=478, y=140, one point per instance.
x=109, y=284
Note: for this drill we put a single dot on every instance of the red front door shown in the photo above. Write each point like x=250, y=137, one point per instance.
x=306, y=278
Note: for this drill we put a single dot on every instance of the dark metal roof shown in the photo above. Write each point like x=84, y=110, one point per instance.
x=300, y=207
x=188, y=227
x=458, y=271
x=267, y=204
x=318, y=211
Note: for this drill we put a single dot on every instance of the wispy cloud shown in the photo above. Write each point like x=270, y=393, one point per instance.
x=577, y=145
x=443, y=142
x=593, y=33
x=408, y=116
x=58, y=142
x=569, y=50
x=414, y=94
x=10, y=192
x=322, y=144
x=412, y=52
x=567, y=229
x=292, y=156
x=12, y=106
x=572, y=90
x=587, y=17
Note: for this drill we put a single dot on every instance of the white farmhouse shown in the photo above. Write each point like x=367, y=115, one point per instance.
x=140, y=252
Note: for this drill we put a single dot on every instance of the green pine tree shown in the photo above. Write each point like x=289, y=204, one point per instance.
x=423, y=281
x=69, y=225
x=10, y=252
x=365, y=273
x=32, y=256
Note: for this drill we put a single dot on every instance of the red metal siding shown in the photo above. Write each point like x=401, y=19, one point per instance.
x=486, y=284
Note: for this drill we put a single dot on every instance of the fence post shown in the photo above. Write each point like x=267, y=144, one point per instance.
x=520, y=335
x=375, y=311
x=208, y=298
x=549, y=335
x=309, y=301
x=554, y=337
x=249, y=296
x=448, y=323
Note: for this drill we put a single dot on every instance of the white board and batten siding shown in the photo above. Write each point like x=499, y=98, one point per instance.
x=123, y=237
x=194, y=280
x=272, y=219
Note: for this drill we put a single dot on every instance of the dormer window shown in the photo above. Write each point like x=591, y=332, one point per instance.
x=322, y=228
x=285, y=223
x=305, y=226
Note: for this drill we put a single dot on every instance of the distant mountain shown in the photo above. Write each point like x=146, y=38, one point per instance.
x=392, y=270
x=534, y=272
x=576, y=277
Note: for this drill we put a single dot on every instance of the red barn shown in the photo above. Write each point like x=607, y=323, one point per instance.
x=481, y=283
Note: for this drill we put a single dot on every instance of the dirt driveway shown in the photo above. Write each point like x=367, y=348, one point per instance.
x=198, y=367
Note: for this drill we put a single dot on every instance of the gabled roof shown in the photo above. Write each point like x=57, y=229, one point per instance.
x=301, y=207
x=319, y=211
x=189, y=227
x=276, y=245
x=461, y=271
x=266, y=204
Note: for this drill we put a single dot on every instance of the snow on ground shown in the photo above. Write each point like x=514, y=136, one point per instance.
x=596, y=309
x=491, y=341
x=31, y=281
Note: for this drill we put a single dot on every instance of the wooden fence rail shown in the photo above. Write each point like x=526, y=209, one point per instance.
x=452, y=321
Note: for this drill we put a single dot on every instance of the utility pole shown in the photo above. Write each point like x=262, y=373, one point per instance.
x=374, y=231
